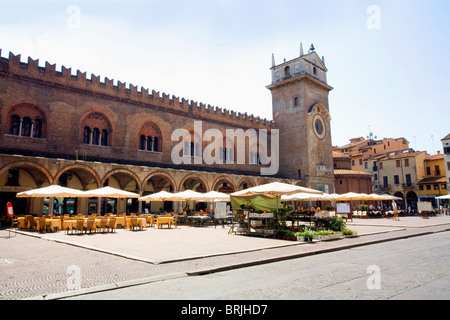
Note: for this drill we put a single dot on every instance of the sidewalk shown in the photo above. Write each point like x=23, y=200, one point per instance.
x=188, y=250
x=186, y=243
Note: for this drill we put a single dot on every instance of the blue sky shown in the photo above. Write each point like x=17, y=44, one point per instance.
x=393, y=79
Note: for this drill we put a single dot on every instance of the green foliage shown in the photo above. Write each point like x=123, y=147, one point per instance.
x=333, y=223
x=347, y=232
x=362, y=207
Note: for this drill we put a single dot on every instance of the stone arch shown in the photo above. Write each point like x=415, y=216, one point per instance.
x=123, y=176
x=411, y=198
x=319, y=108
x=226, y=180
x=191, y=178
x=80, y=171
x=250, y=183
x=165, y=175
x=39, y=173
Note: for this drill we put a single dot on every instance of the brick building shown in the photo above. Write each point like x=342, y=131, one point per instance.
x=57, y=127
x=347, y=179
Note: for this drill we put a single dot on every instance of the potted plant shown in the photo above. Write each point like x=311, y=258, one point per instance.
x=349, y=233
x=306, y=236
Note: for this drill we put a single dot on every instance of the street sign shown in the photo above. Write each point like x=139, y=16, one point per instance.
x=9, y=210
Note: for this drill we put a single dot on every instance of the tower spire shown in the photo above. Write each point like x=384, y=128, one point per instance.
x=273, y=60
x=301, y=50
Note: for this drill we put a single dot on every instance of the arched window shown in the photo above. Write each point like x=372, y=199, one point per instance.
x=26, y=127
x=150, y=138
x=315, y=71
x=27, y=121
x=96, y=137
x=87, y=135
x=96, y=130
x=149, y=144
x=287, y=71
x=155, y=144
x=37, y=128
x=14, y=125
x=104, y=141
x=142, y=142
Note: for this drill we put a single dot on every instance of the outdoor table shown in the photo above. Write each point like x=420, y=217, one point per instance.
x=73, y=223
x=142, y=222
x=120, y=221
x=150, y=220
x=54, y=224
x=164, y=220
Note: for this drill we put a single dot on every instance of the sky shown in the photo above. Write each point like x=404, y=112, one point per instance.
x=387, y=60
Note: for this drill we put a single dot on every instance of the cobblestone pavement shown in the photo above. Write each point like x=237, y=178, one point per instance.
x=34, y=265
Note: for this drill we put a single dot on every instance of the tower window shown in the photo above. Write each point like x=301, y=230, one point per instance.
x=295, y=101
x=315, y=71
x=287, y=71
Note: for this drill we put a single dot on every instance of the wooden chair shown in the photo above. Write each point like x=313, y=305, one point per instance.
x=80, y=226
x=42, y=225
x=175, y=220
x=33, y=224
x=133, y=223
x=91, y=225
x=68, y=227
x=111, y=224
x=103, y=224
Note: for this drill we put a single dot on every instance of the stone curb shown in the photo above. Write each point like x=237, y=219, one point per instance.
x=108, y=287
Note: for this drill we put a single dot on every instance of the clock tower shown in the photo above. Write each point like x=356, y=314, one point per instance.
x=301, y=113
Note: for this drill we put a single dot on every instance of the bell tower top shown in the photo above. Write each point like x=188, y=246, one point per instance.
x=310, y=64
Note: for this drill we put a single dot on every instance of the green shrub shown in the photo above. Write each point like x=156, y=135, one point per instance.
x=333, y=223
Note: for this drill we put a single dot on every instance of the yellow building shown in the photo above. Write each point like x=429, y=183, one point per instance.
x=434, y=184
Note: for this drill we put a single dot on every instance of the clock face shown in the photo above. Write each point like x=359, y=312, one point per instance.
x=319, y=126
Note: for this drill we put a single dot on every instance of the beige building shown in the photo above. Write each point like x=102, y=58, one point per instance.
x=399, y=172
x=365, y=153
x=446, y=147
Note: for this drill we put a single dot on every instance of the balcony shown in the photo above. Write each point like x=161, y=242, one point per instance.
x=408, y=185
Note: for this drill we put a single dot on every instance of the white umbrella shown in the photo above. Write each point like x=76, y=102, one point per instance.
x=274, y=189
x=353, y=196
x=187, y=195
x=51, y=191
x=446, y=197
x=159, y=196
x=215, y=196
x=388, y=197
x=304, y=197
x=108, y=192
